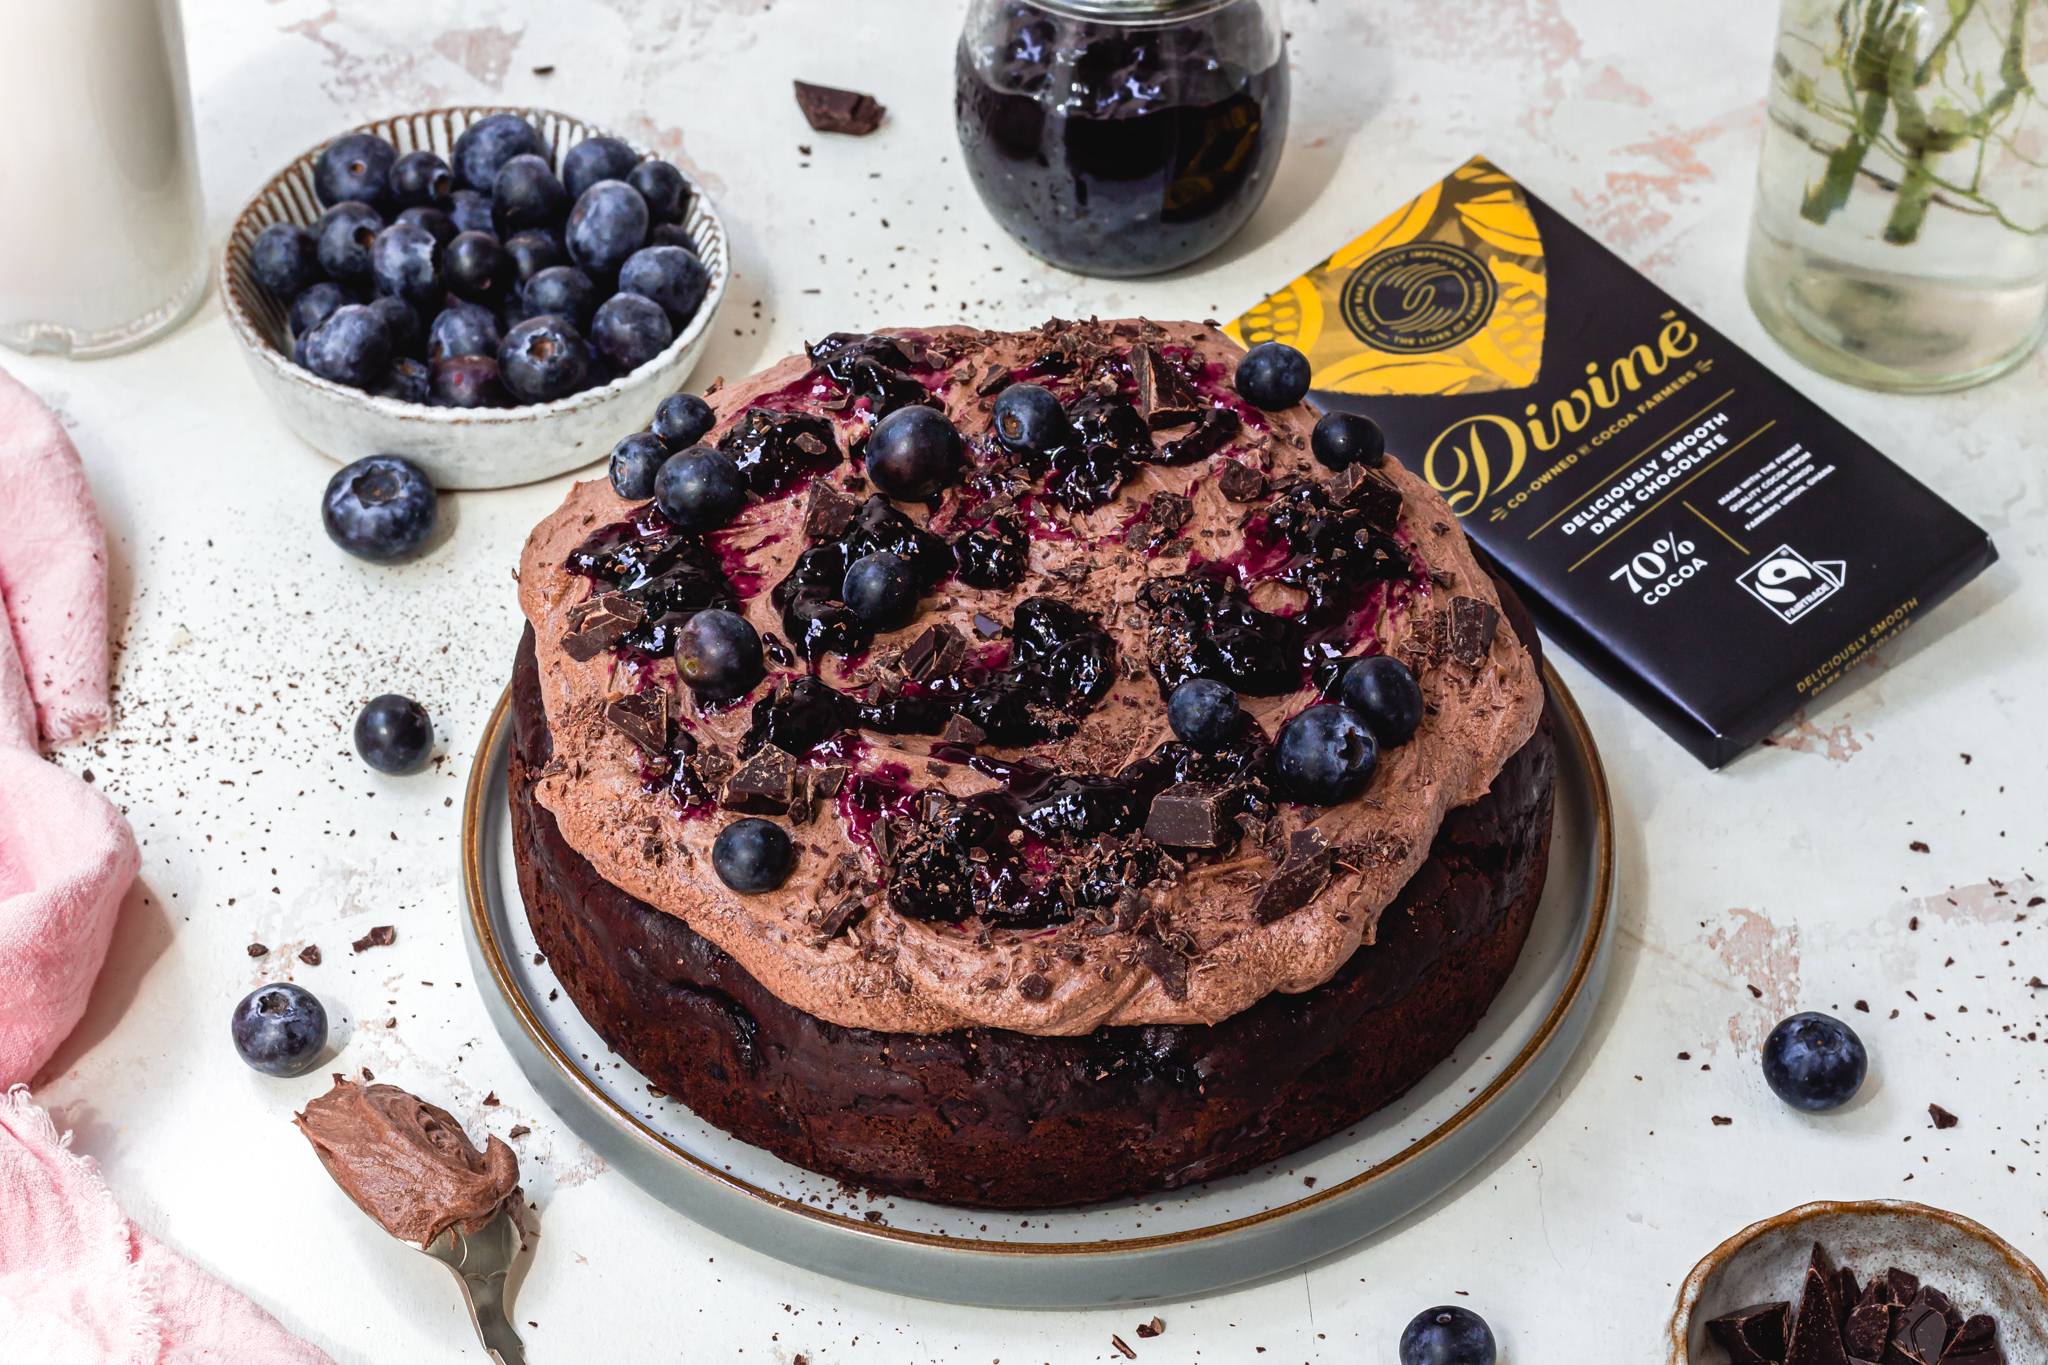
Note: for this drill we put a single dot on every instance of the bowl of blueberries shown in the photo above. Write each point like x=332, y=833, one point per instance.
x=490, y=293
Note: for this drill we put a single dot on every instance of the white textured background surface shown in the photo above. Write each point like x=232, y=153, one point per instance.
x=245, y=642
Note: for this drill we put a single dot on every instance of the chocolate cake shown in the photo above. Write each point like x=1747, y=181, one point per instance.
x=1031, y=948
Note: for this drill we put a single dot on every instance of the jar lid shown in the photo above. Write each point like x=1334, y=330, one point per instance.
x=1132, y=11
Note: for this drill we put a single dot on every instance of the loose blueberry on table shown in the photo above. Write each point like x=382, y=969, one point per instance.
x=751, y=855
x=394, y=734
x=1815, y=1062
x=488, y=233
x=1447, y=1336
x=280, y=1029
x=381, y=508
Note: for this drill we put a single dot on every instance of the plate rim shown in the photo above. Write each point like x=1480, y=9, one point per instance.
x=485, y=941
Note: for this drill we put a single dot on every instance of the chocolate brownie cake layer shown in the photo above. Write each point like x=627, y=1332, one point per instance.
x=998, y=1119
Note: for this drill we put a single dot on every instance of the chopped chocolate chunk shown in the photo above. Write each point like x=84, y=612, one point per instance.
x=1370, y=494
x=761, y=784
x=1169, y=511
x=1123, y=1347
x=834, y=921
x=1975, y=1344
x=1156, y=1326
x=993, y=382
x=258, y=949
x=519, y=1130
x=1817, y=1333
x=937, y=653
x=827, y=780
x=1034, y=987
x=838, y=111
x=1189, y=815
x=310, y=954
x=642, y=718
x=1301, y=877
x=1755, y=1335
x=595, y=626
x=382, y=936
x=1240, y=482
x=1903, y=1285
x=960, y=730
x=1942, y=1118
x=1168, y=966
x=827, y=511
x=1164, y=398
x=801, y=806
x=1472, y=626
x=1923, y=1328
x=713, y=766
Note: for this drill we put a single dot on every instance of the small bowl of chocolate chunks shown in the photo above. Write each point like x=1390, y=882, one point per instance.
x=1877, y=1282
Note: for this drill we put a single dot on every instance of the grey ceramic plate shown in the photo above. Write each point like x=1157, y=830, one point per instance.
x=1315, y=1202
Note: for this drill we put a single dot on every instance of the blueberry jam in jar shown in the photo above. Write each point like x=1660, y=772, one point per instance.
x=1122, y=137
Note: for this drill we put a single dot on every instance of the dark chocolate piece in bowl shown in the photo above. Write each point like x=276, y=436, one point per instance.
x=1756, y=1335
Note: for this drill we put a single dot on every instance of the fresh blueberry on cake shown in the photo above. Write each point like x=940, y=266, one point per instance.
x=1025, y=769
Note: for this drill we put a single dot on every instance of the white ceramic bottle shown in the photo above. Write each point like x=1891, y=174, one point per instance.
x=104, y=238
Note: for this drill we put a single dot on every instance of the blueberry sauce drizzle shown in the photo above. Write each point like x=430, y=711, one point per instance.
x=778, y=451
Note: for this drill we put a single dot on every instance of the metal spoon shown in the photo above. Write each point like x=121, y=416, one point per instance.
x=481, y=1264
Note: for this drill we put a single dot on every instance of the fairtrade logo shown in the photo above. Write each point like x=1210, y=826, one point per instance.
x=1419, y=297
x=1792, y=585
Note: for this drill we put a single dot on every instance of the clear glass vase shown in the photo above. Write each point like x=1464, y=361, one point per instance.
x=1900, y=239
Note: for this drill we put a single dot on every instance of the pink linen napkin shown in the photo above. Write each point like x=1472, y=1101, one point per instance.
x=81, y=1285
x=66, y=855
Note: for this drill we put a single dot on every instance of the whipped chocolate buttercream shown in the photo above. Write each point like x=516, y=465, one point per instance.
x=1194, y=946
x=407, y=1163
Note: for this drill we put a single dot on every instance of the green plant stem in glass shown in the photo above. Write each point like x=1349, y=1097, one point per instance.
x=1930, y=112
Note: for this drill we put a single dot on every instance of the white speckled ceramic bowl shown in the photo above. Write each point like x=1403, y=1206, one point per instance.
x=458, y=447
x=1766, y=1263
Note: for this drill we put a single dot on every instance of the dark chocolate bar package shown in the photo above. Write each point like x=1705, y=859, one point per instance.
x=1700, y=535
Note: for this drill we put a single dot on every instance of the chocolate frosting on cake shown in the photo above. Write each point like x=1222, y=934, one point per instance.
x=407, y=1163
x=1280, y=909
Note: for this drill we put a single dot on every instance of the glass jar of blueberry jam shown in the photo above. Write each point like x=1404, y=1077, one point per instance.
x=1122, y=137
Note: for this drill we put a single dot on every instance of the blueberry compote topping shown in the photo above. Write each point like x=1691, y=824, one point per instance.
x=1337, y=553
x=814, y=617
x=1111, y=440
x=1203, y=626
x=876, y=368
x=1061, y=663
x=776, y=450
x=1046, y=846
x=672, y=574
x=994, y=554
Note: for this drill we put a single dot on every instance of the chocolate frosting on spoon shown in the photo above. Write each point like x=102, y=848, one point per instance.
x=407, y=1163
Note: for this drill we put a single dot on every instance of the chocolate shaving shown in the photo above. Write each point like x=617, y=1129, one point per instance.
x=960, y=730
x=1164, y=398
x=382, y=936
x=258, y=949
x=1300, y=879
x=1471, y=633
x=1942, y=1118
x=519, y=1130
x=310, y=954
x=834, y=921
x=595, y=626
x=801, y=806
x=937, y=653
x=1239, y=482
x=830, y=110
x=1034, y=988
x=642, y=719
x=827, y=511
